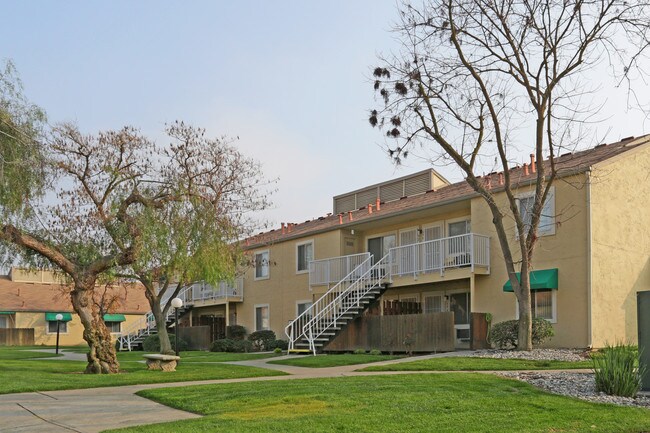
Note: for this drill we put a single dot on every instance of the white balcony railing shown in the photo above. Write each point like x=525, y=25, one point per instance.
x=201, y=291
x=469, y=250
x=335, y=269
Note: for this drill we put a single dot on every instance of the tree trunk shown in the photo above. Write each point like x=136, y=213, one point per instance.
x=161, y=323
x=101, y=356
x=161, y=327
x=525, y=334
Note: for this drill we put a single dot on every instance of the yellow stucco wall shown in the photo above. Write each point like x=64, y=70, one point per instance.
x=74, y=334
x=565, y=250
x=620, y=201
x=285, y=286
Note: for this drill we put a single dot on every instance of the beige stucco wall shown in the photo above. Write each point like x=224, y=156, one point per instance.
x=620, y=200
x=285, y=286
x=565, y=250
x=74, y=334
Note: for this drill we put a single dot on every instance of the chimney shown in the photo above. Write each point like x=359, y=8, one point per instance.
x=488, y=182
x=283, y=229
x=370, y=208
x=248, y=242
x=289, y=227
x=501, y=182
x=340, y=218
x=525, y=169
x=533, y=167
x=350, y=215
x=378, y=204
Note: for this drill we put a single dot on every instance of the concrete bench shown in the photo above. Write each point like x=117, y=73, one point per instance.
x=157, y=361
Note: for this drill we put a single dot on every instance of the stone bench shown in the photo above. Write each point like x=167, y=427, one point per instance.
x=157, y=361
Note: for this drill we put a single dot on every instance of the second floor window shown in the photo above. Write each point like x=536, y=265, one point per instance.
x=547, y=218
x=305, y=254
x=261, y=265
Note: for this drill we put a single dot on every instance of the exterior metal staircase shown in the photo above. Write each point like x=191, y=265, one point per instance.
x=320, y=323
x=135, y=334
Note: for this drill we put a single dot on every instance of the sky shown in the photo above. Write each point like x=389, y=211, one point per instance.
x=291, y=79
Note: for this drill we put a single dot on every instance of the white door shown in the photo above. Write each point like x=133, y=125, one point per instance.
x=430, y=251
x=407, y=258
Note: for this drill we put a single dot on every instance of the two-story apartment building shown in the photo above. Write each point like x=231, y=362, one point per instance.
x=431, y=246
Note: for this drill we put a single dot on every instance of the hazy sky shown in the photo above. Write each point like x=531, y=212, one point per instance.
x=290, y=78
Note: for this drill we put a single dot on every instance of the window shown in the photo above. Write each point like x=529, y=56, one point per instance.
x=304, y=255
x=261, y=265
x=114, y=327
x=433, y=304
x=543, y=304
x=51, y=327
x=302, y=306
x=261, y=317
x=4, y=322
x=547, y=218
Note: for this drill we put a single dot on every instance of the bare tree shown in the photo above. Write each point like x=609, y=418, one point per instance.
x=476, y=81
x=198, y=240
x=109, y=193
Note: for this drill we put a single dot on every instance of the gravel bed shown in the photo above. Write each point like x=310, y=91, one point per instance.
x=579, y=385
x=570, y=355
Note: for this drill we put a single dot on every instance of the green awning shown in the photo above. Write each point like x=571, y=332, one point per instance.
x=7, y=312
x=51, y=317
x=539, y=280
x=114, y=318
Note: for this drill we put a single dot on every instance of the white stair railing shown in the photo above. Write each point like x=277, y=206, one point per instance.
x=350, y=298
x=294, y=329
x=334, y=269
x=147, y=324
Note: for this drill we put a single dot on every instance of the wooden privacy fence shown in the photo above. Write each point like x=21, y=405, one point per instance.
x=396, y=308
x=197, y=337
x=432, y=332
x=17, y=337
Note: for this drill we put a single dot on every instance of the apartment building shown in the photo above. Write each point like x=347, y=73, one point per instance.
x=31, y=300
x=422, y=245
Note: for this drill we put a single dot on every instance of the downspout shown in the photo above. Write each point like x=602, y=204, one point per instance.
x=589, y=260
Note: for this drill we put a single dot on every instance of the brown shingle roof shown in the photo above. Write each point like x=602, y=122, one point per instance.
x=21, y=296
x=566, y=164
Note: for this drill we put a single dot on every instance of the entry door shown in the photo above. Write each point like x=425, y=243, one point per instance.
x=407, y=258
x=459, y=304
x=458, y=247
x=378, y=247
x=431, y=250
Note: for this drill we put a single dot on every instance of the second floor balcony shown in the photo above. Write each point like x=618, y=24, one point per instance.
x=206, y=294
x=470, y=252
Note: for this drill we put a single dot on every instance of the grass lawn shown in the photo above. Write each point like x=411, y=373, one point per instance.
x=478, y=364
x=199, y=356
x=320, y=361
x=397, y=403
x=18, y=373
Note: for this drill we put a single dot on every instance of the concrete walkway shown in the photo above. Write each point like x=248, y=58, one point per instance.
x=97, y=409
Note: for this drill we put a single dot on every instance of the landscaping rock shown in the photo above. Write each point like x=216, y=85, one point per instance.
x=570, y=355
x=578, y=385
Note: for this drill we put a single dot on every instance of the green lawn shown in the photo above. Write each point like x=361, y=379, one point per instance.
x=396, y=403
x=478, y=364
x=18, y=373
x=320, y=361
x=200, y=356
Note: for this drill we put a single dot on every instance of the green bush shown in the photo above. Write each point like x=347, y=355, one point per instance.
x=616, y=370
x=152, y=343
x=280, y=344
x=504, y=335
x=375, y=352
x=359, y=352
x=230, y=345
x=236, y=332
x=262, y=340
x=277, y=351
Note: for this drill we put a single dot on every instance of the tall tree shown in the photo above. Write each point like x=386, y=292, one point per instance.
x=92, y=223
x=197, y=240
x=22, y=171
x=476, y=81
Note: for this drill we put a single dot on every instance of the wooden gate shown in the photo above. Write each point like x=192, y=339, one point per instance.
x=217, y=326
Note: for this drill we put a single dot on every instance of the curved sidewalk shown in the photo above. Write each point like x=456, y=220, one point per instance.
x=96, y=409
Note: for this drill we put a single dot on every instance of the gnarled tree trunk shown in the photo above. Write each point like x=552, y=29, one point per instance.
x=101, y=355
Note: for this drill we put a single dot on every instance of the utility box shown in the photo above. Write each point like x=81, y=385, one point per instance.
x=643, y=318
